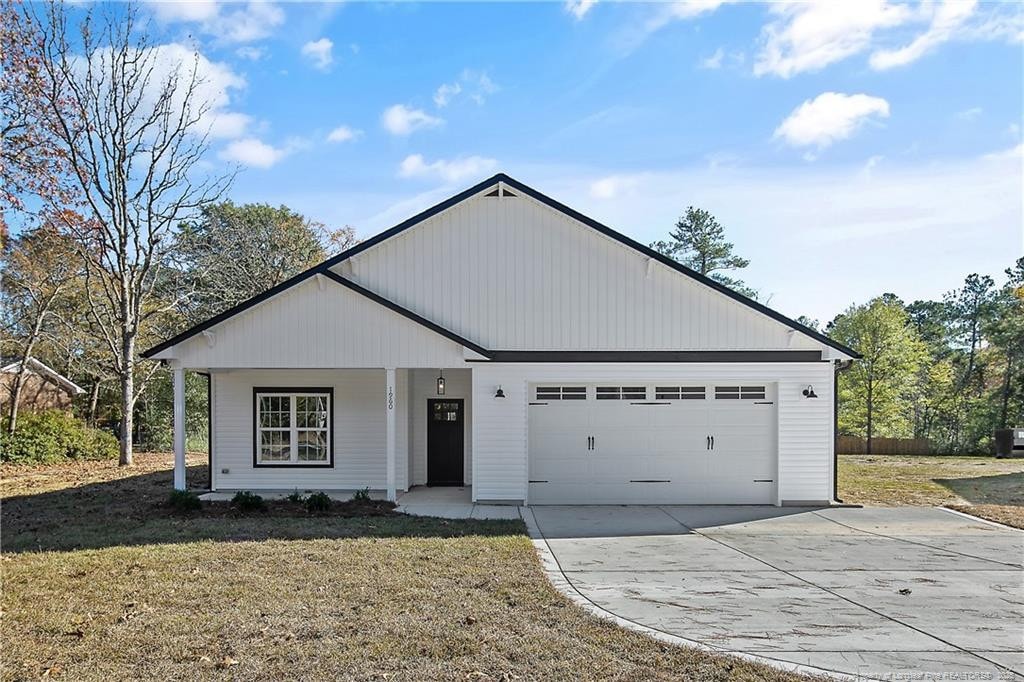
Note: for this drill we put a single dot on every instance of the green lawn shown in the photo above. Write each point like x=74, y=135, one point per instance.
x=984, y=486
x=101, y=581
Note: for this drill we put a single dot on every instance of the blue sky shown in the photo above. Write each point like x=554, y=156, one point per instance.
x=849, y=149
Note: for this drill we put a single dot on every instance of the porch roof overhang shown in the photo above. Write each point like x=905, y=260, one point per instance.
x=163, y=351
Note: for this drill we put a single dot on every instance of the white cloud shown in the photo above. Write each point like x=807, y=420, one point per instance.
x=242, y=24
x=251, y=53
x=449, y=171
x=475, y=85
x=968, y=114
x=714, y=61
x=214, y=84
x=661, y=15
x=1013, y=153
x=401, y=120
x=444, y=94
x=579, y=8
x=682, y=10
x=343, y=134
x=947, y=18
x=613, y=186
x=828, y=118
x=319, y=52
x=199, y=10
x=251, y=151
x=810, y=36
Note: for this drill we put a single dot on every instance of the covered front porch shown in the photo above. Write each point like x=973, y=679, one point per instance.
x=388, y=430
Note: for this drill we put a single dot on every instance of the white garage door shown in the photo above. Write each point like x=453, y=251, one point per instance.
x=665, y=443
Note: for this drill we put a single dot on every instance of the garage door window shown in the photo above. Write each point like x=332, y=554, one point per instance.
x=621, y=393
x=739, y=392
x=679, y=393
x=561, y=393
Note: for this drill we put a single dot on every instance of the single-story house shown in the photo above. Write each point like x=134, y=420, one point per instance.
x=43, y=388
x=503, y=341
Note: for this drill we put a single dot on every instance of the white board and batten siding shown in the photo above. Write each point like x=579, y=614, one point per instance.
x=804, y=437
x=513, y=274
x=318, y=324
x=358, y=431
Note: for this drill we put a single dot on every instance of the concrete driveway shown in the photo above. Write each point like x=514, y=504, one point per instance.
x=865, y=592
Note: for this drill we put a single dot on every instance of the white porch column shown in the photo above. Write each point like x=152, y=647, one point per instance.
x=391, y=398
x=179, y=428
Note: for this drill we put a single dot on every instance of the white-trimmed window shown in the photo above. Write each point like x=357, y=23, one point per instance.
x=293, y=426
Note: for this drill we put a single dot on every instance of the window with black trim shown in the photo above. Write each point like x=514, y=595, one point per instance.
x=561, y=393
x=621, y=393
x=293, y=426
x=679, y=393
x=739, y=392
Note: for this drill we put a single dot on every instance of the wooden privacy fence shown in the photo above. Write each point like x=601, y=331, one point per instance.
x=855, y=445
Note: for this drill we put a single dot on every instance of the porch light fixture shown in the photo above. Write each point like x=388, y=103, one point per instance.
x=440, y=382
x=499, y=393
x=809, y=392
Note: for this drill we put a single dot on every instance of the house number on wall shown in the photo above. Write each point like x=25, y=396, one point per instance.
x=391, y=398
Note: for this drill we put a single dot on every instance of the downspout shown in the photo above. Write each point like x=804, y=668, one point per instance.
x=841, y=366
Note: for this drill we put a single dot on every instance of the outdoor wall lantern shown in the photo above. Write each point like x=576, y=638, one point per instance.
x=440, y=382
x=499, y=393
x=809, y=392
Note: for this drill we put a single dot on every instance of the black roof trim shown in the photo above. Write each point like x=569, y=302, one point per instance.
x=387, y=303
x=655, y=356
x=324, y=267
x=230, y=312
x=675, y=265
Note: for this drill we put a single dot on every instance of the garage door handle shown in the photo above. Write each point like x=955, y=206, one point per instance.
x=712, y=442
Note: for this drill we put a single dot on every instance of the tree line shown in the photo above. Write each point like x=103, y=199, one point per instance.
x=950, y=371
x=123, y=232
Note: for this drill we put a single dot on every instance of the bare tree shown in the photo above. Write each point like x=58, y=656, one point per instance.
x=131, y=123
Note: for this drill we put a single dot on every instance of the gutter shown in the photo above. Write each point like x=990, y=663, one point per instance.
x=841, y=366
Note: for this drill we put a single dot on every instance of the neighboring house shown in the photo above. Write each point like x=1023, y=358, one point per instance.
x=43, y=389
x=504, y=341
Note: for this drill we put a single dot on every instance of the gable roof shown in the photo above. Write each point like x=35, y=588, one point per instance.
x=44, y=370
x=324, y=269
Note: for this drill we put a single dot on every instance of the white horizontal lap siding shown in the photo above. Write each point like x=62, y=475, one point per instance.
x=500, y=426
x=358, y=431
x=319, y=325
x=514, y=274
x=806, y=436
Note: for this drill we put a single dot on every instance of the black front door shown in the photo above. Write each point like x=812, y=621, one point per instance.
x=445, y=437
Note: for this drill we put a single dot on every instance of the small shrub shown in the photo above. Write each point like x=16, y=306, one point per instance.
x=53, y=436
x=295, y=497
x=361, y=495
x=247, y=501
x=318, y=502
x=184, y=500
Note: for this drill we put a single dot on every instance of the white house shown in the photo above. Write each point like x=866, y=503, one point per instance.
x=503, y=341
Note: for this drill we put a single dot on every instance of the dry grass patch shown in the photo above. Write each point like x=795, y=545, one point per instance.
x=125, y=589
x=983, y=486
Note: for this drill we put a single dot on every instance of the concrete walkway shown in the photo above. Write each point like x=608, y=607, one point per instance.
x=451, y=503
x=861, y=592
